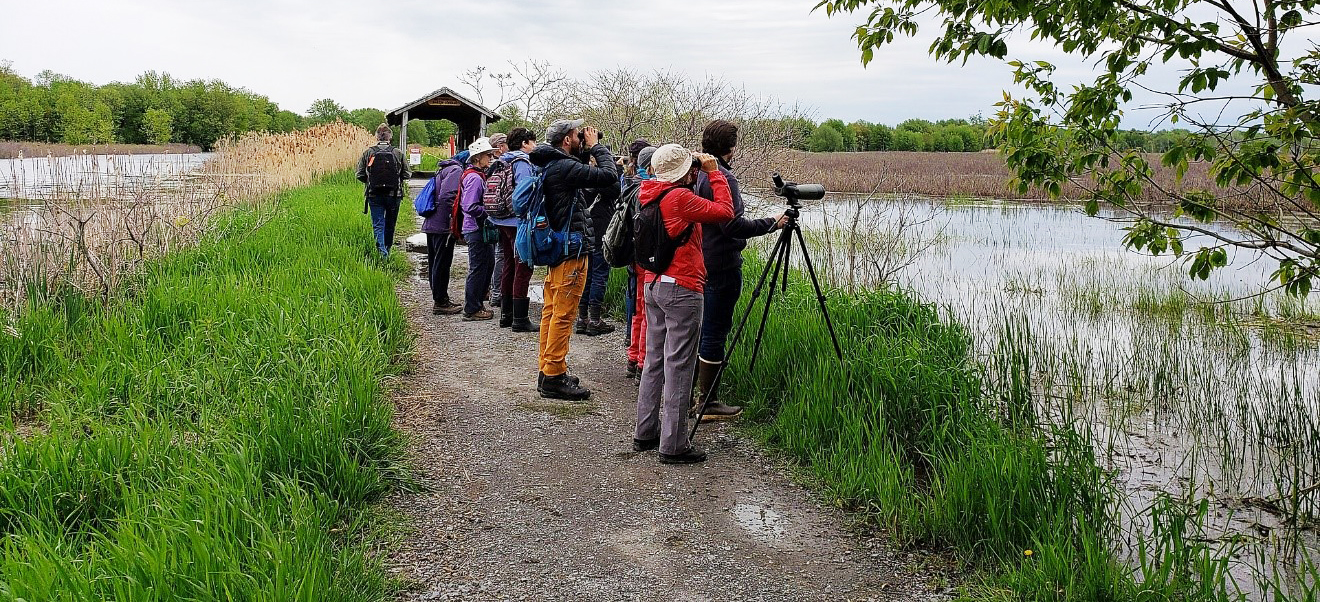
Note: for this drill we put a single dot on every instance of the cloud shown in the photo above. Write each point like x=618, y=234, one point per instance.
x=385, y=54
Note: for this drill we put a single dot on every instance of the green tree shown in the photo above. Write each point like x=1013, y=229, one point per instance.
x=326, y=110
x=849, y=139
x=880, y=138
x=907, y=140
x=1241, y=86
x=157, y=126
x=825, y=139
x=366, y=119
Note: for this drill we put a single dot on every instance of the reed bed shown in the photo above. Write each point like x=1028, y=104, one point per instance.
x=968, y=175
x=96, y=221
x=214, y=429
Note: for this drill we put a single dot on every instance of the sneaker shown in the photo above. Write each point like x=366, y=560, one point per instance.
x=641, y=445
x=693, y=455
x=481, y=314
x=446, y=309
x=560, y=387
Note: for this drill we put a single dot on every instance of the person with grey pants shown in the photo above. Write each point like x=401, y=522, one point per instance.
x=674, y=278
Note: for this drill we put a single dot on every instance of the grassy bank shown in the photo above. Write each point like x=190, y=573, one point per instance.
x=913, y=433
x=210, y=430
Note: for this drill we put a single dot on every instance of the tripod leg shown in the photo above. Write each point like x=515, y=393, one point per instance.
x=820, y=296
x=781, y=266
x=772, y=266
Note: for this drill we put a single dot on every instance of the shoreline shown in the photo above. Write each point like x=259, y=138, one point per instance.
x=10, y=149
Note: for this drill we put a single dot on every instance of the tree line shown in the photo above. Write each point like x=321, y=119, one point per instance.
x=946, y=135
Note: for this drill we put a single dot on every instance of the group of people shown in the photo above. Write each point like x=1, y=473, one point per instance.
x=678, y=319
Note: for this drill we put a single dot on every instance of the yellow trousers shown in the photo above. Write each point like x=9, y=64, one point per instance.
x=563, y=290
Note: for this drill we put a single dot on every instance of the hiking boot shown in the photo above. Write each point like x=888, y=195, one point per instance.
x=634, y=369
x=540, y=378
x=691, y=456
x=560, y=387
x=595, y=323
x=583, y=324
x=481, y=314
x=506, y=313
x=448, y=308
x=522, y=322
x=708, y=388
x=642, y=445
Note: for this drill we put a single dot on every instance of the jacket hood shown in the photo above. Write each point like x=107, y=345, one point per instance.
x=511, y=155
x=543, y=154
x=447, y=163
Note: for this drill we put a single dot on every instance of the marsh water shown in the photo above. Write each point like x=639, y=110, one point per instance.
x=105, y=176
x=1196, y=389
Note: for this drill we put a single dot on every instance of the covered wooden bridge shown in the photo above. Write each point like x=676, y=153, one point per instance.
x=470, y=117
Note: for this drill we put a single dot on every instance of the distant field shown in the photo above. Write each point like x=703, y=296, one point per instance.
x=12, y=150
x=945, y=175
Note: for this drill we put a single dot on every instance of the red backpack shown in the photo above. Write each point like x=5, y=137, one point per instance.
x=456, y=220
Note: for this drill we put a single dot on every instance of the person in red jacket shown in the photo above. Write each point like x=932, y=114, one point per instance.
x=674, y=302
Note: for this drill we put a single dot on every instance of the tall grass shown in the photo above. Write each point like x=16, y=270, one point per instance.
x=912, y=431
x=209, y=431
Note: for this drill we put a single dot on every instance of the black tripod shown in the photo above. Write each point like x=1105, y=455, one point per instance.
x=776, y=270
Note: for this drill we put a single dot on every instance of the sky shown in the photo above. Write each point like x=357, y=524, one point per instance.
x=384, y=55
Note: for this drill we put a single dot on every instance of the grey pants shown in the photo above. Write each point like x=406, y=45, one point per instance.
x=673, y=328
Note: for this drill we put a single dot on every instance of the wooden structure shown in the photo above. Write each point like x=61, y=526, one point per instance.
x=470, y=117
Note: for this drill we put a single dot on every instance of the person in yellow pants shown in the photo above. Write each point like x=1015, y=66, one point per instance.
x=567, y=172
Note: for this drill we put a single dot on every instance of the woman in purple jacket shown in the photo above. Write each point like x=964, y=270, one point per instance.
x=481, y=256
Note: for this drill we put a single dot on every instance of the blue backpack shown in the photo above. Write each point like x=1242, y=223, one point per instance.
x=536, y=244
x=424, y=203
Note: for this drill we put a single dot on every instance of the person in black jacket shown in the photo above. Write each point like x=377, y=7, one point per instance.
x=383, y=197
x=566, y=175
x=722, y=245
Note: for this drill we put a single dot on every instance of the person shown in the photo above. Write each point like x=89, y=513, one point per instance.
x=515, y=276
x=634, y=296
x=439, y=242
x=480, y=256
x=565, y=175
x=600, y=206
x=722, y=246
x=383, y=169
x=501, y=146
x=674, y=302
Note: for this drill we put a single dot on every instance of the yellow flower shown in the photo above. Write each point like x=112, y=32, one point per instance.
x=1026, y=553
x=181, y=221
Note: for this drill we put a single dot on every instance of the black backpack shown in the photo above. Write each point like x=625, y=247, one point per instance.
x=383, y=172
x=654, y=248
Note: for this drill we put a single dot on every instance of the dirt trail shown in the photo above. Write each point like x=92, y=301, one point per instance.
x=536, y=500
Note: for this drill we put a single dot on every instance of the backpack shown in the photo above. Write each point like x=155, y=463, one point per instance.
x=424, y=203
x=653, y=247
x=618, y=240
x=383, y=171
x=498, y=197
x=456, y=218
x=526, y=193
x=536, y=244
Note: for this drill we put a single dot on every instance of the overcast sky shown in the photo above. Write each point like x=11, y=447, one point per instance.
x=384, y=54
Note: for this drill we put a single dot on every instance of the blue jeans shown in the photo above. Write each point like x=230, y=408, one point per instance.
x=481, y=264
x=598, y=274
x=384, y=215
x=721, y=299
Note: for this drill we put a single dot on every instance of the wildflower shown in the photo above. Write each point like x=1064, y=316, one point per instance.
x=181, y=221
x=1027, y=553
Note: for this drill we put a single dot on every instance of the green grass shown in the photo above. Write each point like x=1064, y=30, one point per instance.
x=916, y=435
x=213, y=430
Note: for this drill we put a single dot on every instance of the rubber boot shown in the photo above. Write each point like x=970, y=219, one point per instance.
x=522, y=322
x=708, y=389
x=583, y=324
x=506, y=313
x=598, y=325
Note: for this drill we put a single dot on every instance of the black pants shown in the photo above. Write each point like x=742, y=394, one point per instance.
x=481, y=265
x=439, y=258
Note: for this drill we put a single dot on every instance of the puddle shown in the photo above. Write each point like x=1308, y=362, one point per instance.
x=760, y=521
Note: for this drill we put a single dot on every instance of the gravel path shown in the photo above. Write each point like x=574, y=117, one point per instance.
x=528, y=499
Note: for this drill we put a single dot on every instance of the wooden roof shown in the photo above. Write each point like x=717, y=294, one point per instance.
x=442, y=104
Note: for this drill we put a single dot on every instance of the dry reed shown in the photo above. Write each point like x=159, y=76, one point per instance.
x=976, y=175
x=92, y=225
x=16, y=150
